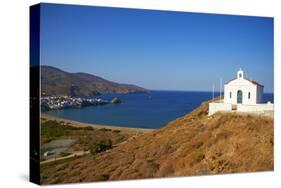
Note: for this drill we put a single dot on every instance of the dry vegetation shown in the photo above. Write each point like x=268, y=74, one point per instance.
x=191, y=145
x=52, y=130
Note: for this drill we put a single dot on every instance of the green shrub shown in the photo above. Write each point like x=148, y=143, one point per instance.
x=101, y=146
x=51, y=129
x=63, y=154
x=88, y=128
x=105, y=129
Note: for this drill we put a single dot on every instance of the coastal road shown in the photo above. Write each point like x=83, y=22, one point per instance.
x=74, y=154
x=81, y=153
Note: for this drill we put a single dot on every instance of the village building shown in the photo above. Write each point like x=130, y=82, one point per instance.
x=243, y=95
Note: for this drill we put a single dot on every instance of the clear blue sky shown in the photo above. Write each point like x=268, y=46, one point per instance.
x=157, y=49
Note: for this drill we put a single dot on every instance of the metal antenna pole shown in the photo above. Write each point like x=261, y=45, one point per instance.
x=213, y=91
x=220, y=87
x=220, y=90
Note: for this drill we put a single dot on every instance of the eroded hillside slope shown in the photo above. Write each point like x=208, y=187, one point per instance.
x=191, y=145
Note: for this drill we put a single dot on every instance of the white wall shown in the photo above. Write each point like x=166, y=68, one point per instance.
x=215, y=107
x=260, y=94
x=255, y=108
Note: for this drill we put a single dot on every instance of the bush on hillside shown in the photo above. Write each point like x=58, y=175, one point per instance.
x=101, y=146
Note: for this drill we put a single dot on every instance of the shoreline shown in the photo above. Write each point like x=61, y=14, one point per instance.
x=94, y=125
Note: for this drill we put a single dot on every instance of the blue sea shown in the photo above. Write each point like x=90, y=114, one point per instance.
x=140, y=110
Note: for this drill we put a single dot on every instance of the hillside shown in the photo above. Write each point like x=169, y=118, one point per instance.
x=191, y=145
x=57, y=82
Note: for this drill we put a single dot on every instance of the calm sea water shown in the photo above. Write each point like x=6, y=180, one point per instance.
x=142, y=110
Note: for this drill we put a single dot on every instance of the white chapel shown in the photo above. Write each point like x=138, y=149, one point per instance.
x=242, y=95
x=243, y=91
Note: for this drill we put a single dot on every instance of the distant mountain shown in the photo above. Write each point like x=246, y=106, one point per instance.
x=58, y=82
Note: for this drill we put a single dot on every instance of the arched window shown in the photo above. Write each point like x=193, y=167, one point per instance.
x=230, y=95
x=240, y=75
x=249, y=95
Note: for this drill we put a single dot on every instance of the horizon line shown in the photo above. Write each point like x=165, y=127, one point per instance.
x=183, y=90
x=206, y=91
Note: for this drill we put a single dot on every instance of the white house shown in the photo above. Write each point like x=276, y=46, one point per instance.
x=242, y=95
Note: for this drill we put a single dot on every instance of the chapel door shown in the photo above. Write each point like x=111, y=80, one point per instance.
x=239, y=97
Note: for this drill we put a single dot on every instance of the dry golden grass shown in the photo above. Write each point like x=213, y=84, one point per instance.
x=191, y=145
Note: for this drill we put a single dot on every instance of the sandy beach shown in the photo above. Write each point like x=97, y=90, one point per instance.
x=98, y=126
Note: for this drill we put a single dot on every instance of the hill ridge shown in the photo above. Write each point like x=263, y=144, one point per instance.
x=55, y=81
